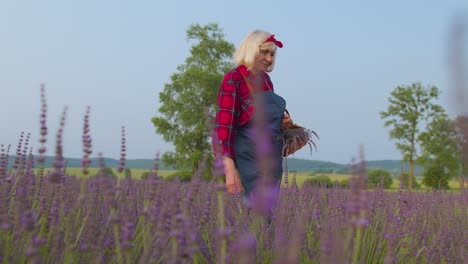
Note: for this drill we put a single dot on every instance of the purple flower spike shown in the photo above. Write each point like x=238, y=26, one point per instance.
x=244, y=250
x=56, y=175
x=122, y=152
x=264, y=198
x=86, y=140
x=3, y=161
x=43, y=127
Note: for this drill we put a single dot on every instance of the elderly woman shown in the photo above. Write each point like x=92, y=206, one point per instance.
x=237, y=107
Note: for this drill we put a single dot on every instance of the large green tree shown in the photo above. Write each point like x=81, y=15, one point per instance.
x=440, y=156
x=410, y=109
x=192, y=91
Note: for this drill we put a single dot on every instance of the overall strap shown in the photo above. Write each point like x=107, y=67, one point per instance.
x=249, y=85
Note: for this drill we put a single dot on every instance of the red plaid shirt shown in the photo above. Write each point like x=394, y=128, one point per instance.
x=236, y=105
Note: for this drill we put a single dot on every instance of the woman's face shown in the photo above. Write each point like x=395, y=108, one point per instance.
x=263, y=61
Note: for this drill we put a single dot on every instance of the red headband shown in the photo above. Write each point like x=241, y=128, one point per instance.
x=272, y=39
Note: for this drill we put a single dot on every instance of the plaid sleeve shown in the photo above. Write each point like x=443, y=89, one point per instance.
x=226, y=117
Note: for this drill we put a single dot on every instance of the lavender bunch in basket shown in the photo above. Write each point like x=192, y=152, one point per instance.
x=295, y=137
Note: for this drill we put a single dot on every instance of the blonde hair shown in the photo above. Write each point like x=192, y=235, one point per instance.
x=250, y=48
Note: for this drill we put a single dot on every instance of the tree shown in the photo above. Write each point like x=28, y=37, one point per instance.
x=409, y=107
x=404, y=181
x=379, y=177
x=191, y=91
x=440, y=153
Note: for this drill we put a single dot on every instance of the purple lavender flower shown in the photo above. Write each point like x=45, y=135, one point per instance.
x=43, y=127
x=56, y=175
x=122, y=152
x=87, y=143
x=3, y=162
x=18, y=151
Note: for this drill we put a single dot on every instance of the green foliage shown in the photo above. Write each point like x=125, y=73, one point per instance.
x=183, y=175
x=344, y=183
x=106, y=171
x=435, y=177
x=379, y=177
x=404, y=180
x=207, y=175
x=409, y=107
x=441, y=153
x=127, y=172
x=188, y=100
x=323, y=171
x=146, y=174
x=343, y=171
x=313, y=165
x=319, y=180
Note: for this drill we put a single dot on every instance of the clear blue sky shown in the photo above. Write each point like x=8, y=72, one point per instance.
x=340, y=62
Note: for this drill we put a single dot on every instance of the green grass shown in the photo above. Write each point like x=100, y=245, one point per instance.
x=136, y=173
x=301, y=177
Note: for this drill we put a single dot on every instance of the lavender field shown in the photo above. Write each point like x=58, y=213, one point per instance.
x=60, y=218
x=53, y=216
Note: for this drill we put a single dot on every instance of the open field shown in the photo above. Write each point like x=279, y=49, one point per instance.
x=136, y=173
x=105, y=219
x=300, y=176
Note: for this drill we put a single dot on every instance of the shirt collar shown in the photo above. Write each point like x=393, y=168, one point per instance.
x=243, y=69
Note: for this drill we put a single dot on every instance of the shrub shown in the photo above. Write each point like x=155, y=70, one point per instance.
x=343, y=171
x=434, y=177
x=183, y=175
x=127, y=172
x=344, y=183
x=378, y=177
x=405, y=178
x=319, y=180
x=106, y=171
x=145, y=175
x=323, y=170
x=207, y=175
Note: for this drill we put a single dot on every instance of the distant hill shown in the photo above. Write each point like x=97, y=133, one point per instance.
x=394, y=166
x=313, y=165
x=108, y=162
x=293, y=164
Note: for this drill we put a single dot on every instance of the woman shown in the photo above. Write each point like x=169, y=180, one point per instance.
x=241, y=90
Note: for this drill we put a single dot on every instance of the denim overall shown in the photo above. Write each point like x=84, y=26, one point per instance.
x=245, y=146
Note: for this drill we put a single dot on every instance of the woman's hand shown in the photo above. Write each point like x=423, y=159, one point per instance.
x=287, y=122
x=233, y=183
